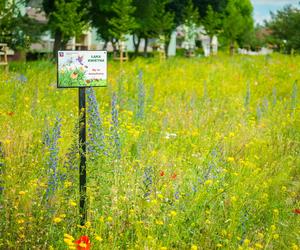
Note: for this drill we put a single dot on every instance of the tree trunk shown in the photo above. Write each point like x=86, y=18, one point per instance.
x=57, y=42
x=114, y=45
x=167, y=42
x=231, y=48
x=211, y=47
x=105, y=45
x=145, y=47
x=136, y=44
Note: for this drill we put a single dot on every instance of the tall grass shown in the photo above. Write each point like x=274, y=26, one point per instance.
x=192, y=154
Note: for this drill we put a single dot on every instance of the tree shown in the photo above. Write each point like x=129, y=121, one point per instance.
x=123, y=22
x=190, y=23
x=190, y=14
x=163, y=22
x=100, y=13
x=212, y=23
x=67, y=18
x=238, y=21
x=17, y=30
x=144, y=15
x=217, y=5
x=284, y=27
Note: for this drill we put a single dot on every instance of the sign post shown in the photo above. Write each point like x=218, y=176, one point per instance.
x=82, y=154
x=82, y=69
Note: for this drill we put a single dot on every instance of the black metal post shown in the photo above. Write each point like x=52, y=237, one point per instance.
x=82, y=153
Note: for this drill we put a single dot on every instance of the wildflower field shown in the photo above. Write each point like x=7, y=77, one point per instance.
x=182, y=154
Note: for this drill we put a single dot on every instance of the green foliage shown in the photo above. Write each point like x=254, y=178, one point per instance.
x=190, y=14
x=212, y=22
x=163, y=19
x=238, y=21
x=69, y=18
x=100, y=13
x=16, y=30
x=217, y=5
x=123, y=22
x=144, y=15
x=285, y=28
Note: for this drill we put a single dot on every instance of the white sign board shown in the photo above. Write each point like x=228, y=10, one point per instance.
x=81, y=69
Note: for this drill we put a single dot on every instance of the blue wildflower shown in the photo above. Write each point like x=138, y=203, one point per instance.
x=114, y=129
x=147, y=181
x=247, y=97
x=294, y=96
x=21, y=78
x=96, y=144
x=141, y=97
x=52, y=163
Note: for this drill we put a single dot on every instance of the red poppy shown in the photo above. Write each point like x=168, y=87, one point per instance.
x=173, y=176
x=296, y=211
x=83, y=243
x=162, y=173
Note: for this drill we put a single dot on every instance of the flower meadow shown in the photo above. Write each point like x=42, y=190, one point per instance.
x=198, y=153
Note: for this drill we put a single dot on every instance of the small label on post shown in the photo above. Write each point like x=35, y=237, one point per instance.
x=81, y=69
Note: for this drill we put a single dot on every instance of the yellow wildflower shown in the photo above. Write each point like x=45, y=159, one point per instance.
x=57, y=220
x=154, y=202
x=246, y=242
x=82, y=244
x=230, y=159
x=20, y=221
x=233, y=199
x=160, y=196
x=173, y=213
x=101, y=219
x=194, y=247
x=72, y=203
x=208, y=182
x=68, y=236
x=259, y=246
x=159, y=222
x=208, y=222
x=98, y=238
x=68, y=241
x=67, y=184
x=260, y=235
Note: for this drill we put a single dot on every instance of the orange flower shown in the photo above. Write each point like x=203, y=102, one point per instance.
x=162, y=173
x=173, y=176
x=83, y=243
x=296, y=211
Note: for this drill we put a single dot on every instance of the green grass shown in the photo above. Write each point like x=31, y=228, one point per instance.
x=209, y=156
